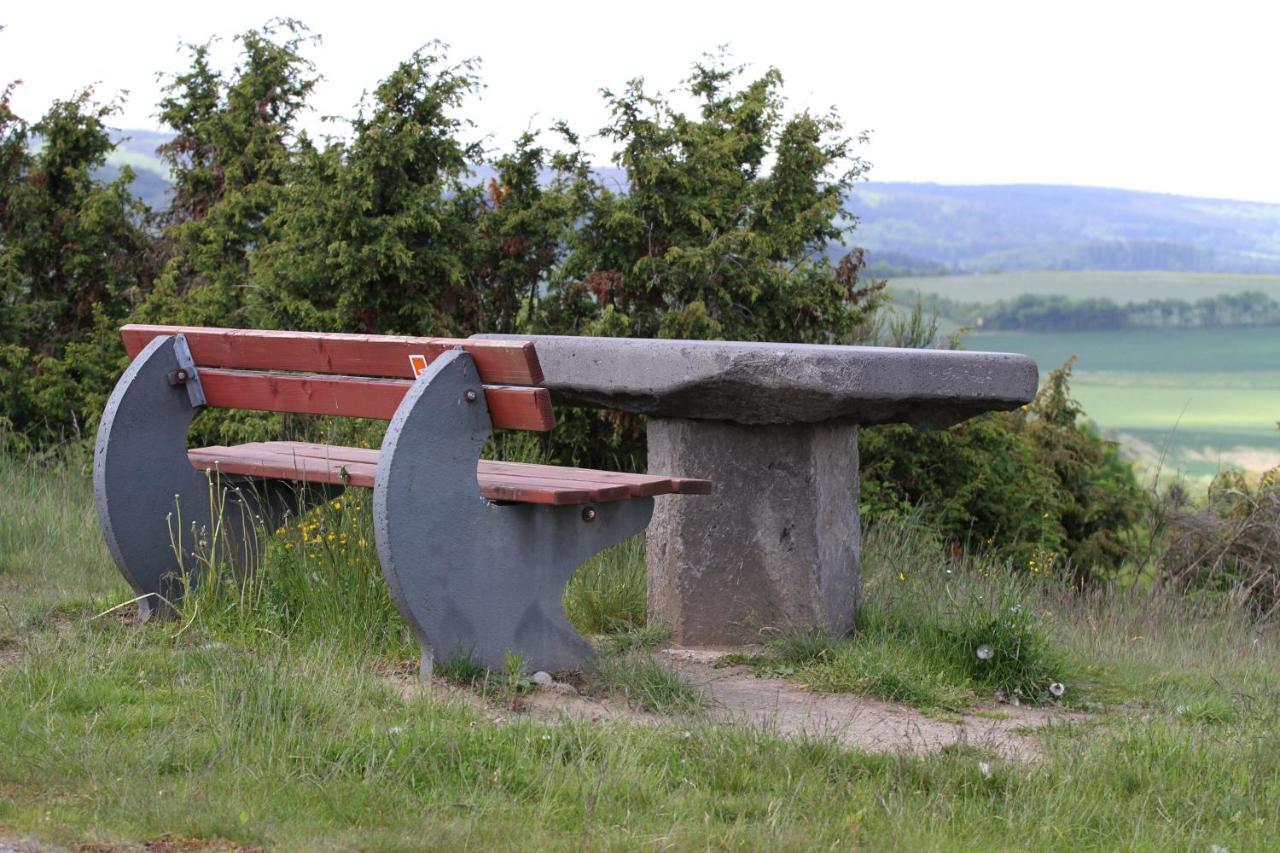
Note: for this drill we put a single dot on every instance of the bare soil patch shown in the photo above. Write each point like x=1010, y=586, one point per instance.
x=547, y=704
x=774, y=704
x=10, y=655
x=736, y=696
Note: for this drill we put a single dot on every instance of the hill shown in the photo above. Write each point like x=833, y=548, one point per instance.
x=936, y=229
x=137, y=149
x=933, y=228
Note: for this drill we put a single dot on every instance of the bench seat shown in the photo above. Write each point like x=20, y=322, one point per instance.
x=507, y=482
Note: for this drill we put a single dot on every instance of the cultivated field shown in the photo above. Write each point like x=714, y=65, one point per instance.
x=1118, y=286
x=1199, y=399
x=281, y=713
x=1212, y=396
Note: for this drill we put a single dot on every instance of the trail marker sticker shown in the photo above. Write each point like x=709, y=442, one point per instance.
x=418, y=363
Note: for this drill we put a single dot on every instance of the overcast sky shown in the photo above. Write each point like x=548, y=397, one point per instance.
x=1163, y=96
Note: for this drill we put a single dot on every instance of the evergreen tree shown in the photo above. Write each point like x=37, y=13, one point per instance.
x=74, y=256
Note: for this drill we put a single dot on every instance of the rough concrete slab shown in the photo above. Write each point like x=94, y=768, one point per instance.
x=768, y=383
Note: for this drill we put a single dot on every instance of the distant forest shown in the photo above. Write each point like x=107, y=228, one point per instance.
x=1044, y=313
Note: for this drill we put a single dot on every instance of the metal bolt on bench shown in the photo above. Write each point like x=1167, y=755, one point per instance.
x=476, y=553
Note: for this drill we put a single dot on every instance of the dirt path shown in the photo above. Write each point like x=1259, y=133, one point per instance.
x=738, y=696
x=12, y=845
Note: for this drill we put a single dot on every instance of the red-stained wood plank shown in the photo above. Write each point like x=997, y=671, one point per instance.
x=276, y=467
x=254, y=461
x=510, y=407
x=499, y=362
x=639, y=485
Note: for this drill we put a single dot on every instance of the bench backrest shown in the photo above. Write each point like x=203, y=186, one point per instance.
x=359, y=376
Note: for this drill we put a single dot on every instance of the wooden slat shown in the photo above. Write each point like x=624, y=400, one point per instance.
x=499, y=362
x=254, y=461
x=510, y=407
x=639, y=485
x=328, y=454
x=276, y=467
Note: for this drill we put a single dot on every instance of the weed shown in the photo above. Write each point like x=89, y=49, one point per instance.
x=646, y=683
x=608, y=594
x=635, y=637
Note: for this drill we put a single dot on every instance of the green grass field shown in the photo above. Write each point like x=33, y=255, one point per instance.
x=1089, y=284
x=273, y=724
x=1212, y=396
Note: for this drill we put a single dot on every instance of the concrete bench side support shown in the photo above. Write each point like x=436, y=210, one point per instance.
x=474, y=578
x=157, y=511
x=774, y=550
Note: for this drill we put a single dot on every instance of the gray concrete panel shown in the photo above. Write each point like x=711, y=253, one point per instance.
x=153, y=506
x=474, y=578
x=157, y=511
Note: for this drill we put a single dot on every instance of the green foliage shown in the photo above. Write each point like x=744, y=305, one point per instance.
x=372, y=236
x=1033, y=485
x=721, y=229
x=232, y=153
x=74, y=258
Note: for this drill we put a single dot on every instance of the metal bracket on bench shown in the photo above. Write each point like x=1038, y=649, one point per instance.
x=186, y=374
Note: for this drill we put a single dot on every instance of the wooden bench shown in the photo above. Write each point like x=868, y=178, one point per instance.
x=476, y=553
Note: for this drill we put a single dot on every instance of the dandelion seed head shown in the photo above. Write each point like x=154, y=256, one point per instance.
x=985, y=652
x=1057, y=689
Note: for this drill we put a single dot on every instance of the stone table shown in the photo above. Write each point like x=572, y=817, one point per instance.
x=775, y=548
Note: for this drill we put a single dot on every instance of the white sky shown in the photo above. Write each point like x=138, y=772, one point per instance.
x=1163, y=96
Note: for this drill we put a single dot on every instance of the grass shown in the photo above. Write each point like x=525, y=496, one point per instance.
x=933, y=633
x=210, y=730
x=646, y=684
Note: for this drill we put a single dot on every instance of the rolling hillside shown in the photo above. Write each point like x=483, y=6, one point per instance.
x=932, y=228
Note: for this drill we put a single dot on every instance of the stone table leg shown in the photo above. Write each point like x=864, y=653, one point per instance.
x=775, y=548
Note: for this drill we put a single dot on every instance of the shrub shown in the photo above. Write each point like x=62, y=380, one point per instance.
x=1035, y=485
x=1230, y=545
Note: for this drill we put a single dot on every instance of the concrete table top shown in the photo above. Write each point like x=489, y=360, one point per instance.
x=768, y=383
